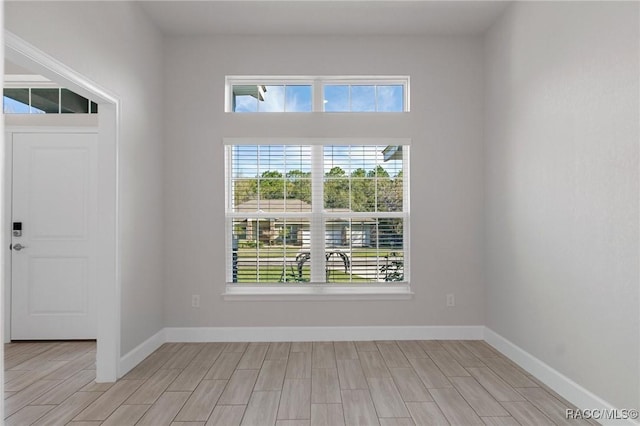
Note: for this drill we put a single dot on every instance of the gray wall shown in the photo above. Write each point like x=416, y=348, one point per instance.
x=445, y=124
x=562, y=189
x=115, y=45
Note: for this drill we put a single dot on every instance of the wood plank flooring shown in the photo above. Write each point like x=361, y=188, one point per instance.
x=279, y=384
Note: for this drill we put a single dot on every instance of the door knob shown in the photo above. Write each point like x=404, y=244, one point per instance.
x=18, y=247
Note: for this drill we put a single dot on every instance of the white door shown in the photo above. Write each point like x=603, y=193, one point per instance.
x=53, y=262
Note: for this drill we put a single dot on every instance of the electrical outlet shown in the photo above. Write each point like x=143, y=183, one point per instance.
x=195, y=301
x=451, y=300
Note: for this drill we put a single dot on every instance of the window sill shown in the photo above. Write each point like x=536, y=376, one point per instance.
x=316, y=292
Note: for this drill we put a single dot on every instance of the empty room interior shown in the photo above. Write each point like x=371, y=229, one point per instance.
x=320, y=213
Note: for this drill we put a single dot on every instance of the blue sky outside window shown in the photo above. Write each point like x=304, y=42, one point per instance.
x=273, y=100
x=298, y=99
x=363, y=98
x=335, y=95
x=390, y=98
x=336, y=98
x=277, y=98
x=251, y=161
x=245, y=103
x=11, y=106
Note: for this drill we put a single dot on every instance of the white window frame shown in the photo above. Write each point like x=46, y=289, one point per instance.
x=316, y=289
x=317, y=84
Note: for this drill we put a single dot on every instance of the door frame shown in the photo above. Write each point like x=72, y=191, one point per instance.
x=108, y=254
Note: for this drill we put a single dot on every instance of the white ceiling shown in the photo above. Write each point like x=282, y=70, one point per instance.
x=329, y=17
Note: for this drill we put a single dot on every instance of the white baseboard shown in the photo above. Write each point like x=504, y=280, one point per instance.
x=140, y=352
x=301, y=334
x=564, y=386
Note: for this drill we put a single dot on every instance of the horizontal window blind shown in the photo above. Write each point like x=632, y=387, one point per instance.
x=332, y=213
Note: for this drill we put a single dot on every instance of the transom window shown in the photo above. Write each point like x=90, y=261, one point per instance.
x=46, y=100
x=321, y=212
x=317, y=94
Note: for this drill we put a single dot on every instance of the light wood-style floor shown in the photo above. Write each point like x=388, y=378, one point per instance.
x=387, y=383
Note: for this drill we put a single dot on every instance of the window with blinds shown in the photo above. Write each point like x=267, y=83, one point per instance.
x=321, y=213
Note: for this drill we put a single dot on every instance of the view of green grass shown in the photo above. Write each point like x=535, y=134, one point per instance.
x=277, y=264
x=272, y=274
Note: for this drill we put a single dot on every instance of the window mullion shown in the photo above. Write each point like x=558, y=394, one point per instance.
x=375, y=94
x=317, y=221
x=318, y=96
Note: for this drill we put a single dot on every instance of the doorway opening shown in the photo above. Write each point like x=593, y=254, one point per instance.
x=107, y=286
